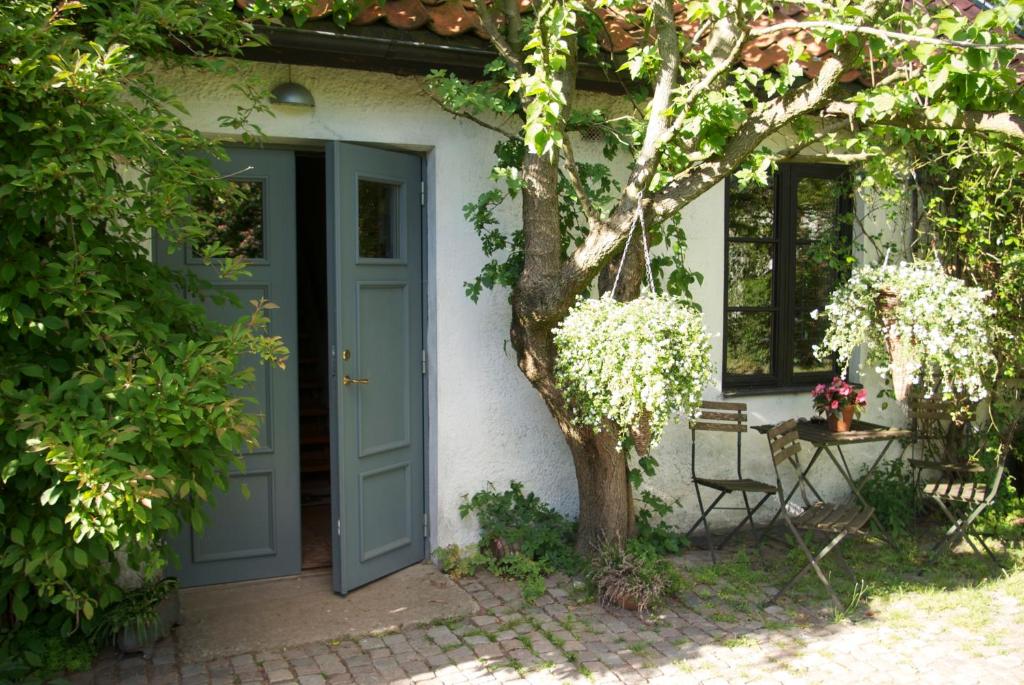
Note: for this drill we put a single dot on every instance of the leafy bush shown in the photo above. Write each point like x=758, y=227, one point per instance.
x=119, y=401
x=636, y=577
x=636, y=364
x=521, y=537
x=514, y=521
x=37, y=651
x=891, y=490
x=652, y=529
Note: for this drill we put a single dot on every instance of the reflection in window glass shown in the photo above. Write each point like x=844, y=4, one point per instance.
x=817, y=201
x=378, y=216
x=749, y=343
x=807, y=333
x=751, y=211
x=237, y=220
x=750, y=274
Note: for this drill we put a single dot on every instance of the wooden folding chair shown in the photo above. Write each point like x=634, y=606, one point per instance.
x=728, y=417
x=822, y=518
x=936, y=438
x=961, y=500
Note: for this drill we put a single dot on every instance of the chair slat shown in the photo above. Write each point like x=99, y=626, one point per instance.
x=786, y=453
x=783, y=427
x=724, y=427
x=733, y=406
x=722, y=416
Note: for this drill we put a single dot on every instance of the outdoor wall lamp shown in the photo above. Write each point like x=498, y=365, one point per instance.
x=291, y=93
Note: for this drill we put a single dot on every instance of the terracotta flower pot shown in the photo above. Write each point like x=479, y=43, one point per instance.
x=841, y=424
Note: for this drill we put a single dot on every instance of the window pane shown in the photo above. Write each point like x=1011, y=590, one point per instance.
x=751, y=211
x=750, y=274
x=748, y=343
x=815, y=279
x=237, y=219
x=806, y=333
x=817, y=205
x=378, y=217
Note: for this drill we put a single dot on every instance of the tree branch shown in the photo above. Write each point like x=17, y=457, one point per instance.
x=882, y=33
x=572, y=171
x=499, y=41
x=471, y=117
x=1004, y=123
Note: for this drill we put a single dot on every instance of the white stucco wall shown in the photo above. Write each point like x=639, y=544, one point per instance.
x=486, y=424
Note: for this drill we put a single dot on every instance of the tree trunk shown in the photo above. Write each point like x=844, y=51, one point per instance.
x=606, y=510
x=539, y=302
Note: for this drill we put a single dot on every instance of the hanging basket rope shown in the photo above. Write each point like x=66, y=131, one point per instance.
x=634, y=364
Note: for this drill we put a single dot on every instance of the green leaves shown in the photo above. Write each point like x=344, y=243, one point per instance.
x=117, y=391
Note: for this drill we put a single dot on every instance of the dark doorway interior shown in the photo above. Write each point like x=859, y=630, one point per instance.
x=312, y=356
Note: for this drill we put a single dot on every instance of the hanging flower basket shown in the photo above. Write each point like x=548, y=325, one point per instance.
x=920, y=326
x=633, y=365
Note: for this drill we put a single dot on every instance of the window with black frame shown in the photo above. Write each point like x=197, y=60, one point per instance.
x=787, y=245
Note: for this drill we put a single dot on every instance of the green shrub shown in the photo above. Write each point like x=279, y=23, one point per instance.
x=652, y=528
x=523, y=538
x=519, y=522
x=120, y=411
x=891, y=490
x=636, y=577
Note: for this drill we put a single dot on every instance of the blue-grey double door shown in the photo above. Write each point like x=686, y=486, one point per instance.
x=374, y=262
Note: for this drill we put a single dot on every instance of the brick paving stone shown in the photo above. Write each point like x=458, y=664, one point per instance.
x=703, y=642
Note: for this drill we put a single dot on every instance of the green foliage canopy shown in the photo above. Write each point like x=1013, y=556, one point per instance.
x=121, y=405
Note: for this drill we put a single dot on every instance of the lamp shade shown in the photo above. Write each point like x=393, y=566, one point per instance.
x=291, y=93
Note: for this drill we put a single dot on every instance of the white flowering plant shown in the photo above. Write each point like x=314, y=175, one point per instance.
x=634, y=364
x=920, y=326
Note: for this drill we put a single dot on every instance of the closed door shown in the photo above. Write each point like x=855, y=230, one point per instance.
x=375, y=255
x=254, y=536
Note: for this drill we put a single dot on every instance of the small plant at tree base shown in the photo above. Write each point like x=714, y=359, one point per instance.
x=891, y=490
x=634, y=577
x=652, y=529
x=633, y=364
x=831, y=399
x=921, y=326
x=521, y=537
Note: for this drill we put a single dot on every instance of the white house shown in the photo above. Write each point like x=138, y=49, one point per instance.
x=403, y=395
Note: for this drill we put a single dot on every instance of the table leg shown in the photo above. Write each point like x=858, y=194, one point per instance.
x=844, y=468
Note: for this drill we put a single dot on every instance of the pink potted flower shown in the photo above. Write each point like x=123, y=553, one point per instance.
x=840, y=402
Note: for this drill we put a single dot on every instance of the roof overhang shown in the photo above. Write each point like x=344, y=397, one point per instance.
x=396, y=51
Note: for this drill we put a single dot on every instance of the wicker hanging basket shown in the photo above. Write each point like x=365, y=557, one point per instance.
x=902, y=361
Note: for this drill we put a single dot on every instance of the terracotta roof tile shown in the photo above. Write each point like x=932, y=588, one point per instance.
x=457, y=17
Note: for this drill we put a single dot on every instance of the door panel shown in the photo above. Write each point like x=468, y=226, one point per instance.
x=256, y=536
x=375, y=245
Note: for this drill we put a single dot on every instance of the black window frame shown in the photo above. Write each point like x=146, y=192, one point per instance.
x=783, y=305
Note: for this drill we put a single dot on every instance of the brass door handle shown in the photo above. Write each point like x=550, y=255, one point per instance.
x=348, y=380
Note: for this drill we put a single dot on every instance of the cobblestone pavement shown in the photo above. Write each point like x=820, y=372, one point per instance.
x=560, y=640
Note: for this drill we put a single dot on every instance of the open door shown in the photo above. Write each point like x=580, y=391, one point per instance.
x=376, y=338
x=256, y=536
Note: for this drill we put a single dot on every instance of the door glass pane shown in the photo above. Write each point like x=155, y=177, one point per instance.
x=748, y=343
x=750, y=274
x=237, y=219
x=817, y=208
x=378, y=219
x=806, y=333
x=751, y=211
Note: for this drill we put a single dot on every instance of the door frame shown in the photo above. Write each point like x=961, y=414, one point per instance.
x=429, y=346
